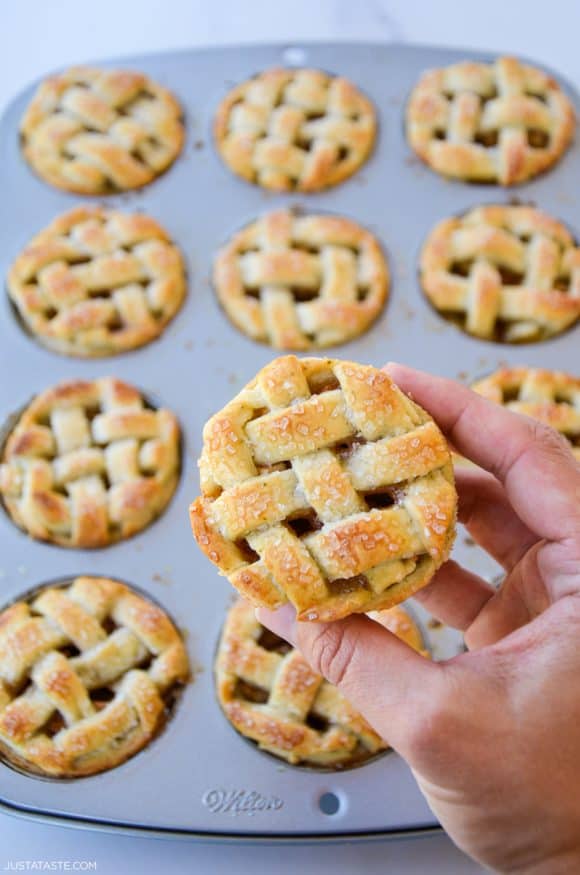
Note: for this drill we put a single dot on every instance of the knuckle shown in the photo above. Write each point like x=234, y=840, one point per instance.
x=433, y=728
x=332, y=652
x=568, y=609
x=422, y=733
x=551, y=440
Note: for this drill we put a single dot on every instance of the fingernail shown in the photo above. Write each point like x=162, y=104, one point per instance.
x=281, y=622
x=395, y=366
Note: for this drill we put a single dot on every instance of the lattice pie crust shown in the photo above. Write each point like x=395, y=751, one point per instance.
x=505, y=273
x=503, y=122
x=88, y=672
x=270, y=694
x=97, y=282
x=300, y=130
x=96, y=131
x=302, y=282
x=324, y=485
x=89, y=463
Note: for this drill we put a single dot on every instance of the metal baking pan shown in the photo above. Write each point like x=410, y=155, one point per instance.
x=199, y=778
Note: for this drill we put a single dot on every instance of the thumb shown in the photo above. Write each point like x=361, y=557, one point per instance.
x=392, y=686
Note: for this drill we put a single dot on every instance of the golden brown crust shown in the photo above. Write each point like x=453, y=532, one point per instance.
x=302, y=282
x=94, y=131
x=88, y=464
x=324, y=485
x=300, y=130
x=503, y=122
x=97, y=282
x=72, y=716
x=551, y=397
x=302, y=718
x=508, y=273
x=401, y=624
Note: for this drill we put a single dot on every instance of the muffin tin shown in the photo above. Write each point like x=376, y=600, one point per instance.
x=199, y=778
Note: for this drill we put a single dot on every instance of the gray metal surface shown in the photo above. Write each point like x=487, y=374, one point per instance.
x=182, y=781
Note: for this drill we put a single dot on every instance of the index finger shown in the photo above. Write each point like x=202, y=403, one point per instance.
x=540, y=474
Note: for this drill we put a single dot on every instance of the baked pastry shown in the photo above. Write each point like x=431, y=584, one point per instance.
x=504, y=273
x=89, y=463
x=97, y=282
x=300, y=130
x=503, y=122
x=401, y=624
x=301, y=282
x=552, y=397
x=269, y=693
x=324, y=485
x=89, y=671
x=96, y=131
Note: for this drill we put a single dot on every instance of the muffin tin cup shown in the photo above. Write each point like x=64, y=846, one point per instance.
x=200, y=778
x=171, y=698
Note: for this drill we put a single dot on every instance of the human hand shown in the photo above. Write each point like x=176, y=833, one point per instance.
x=492, y=735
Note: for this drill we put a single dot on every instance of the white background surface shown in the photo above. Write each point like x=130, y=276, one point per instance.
x=40, y=35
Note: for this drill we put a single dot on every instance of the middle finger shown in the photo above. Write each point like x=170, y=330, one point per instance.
x=488, y=516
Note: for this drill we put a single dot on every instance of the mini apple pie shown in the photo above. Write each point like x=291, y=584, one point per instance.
x=96, y=131
x=89, y=671
x=401, y=624
x=552, y=397
x=269, y=693
x=302, y=282
x=503, y=122
x=300, y=130
x=324, y=485
x=89, y=463
x=503, y=273
x=97, y=282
